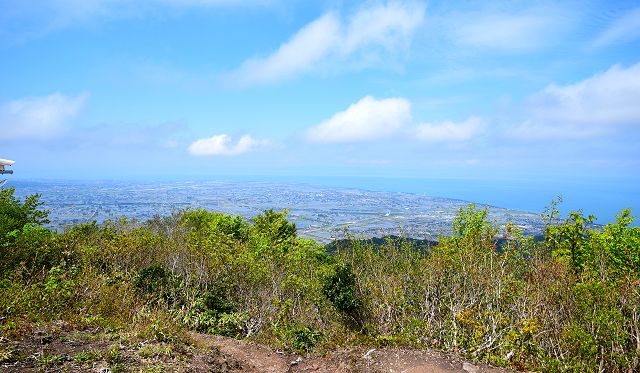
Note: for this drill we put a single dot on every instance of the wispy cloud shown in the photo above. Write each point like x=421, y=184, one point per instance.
x=39, y=118
x=450, y=131
x=371, y=119
x=388, y=26
x=223, y=145
x=589, y=108
x=534, y=131
x=122, y=136
x=507, y=30
x=331, y=40
x=301, y=53
x=200, y=3
x=606, y=98
x=26, y=19
x=623, y=29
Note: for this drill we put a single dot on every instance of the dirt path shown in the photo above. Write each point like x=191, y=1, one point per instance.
x=241, y=356
x=60, y=348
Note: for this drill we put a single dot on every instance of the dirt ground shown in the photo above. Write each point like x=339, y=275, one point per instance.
x=60, y=349
x=253, y=358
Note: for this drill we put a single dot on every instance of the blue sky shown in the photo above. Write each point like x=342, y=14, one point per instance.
x=480, y=90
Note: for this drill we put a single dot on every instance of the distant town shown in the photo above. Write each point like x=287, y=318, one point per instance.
x=320, y=213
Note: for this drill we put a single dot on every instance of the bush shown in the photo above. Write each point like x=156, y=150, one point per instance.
x=15, y=215
x=304, y=339
x=159, y=283
x=340, y=289
x=22, y=238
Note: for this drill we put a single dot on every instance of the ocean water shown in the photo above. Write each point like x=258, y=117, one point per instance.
x=602, y=197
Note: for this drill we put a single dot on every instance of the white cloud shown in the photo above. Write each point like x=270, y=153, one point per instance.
x=593, y=107
x=371, y=119
x=623, y=29
x=329, y=40
x=608, y=98
x=366, y=120
x=385, y=26
x=511, y=30
x=222, y=145
x=39, y=118
x=449, y=131
x=300, y=53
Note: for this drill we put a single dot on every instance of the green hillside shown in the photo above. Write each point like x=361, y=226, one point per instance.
x=568, y=302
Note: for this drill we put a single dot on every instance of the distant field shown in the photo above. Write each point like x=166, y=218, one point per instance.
x=321, y=213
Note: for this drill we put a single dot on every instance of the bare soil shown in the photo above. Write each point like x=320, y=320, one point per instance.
x=59, y=348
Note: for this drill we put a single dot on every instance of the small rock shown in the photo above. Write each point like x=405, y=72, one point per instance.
x=104, y=370
x=296, y=361
x=468, y=367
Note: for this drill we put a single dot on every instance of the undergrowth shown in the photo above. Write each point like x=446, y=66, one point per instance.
x=568, y=303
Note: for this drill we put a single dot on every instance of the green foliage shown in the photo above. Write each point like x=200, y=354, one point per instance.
x=7, y=353
x=160, y=283
x=58, y=286
x=273, y=230
x=470, y=222
x=598, y=335
x=234, y=227
x=304, y=339
x=213, y=312
x=340, y=289
x=570, y=242
x=47, y=360
x=114, y=354
x=217, y=300
x=568, y=303
x=33, y=247
x=15, y=215
x=87, y=357
x=22, y=239
x=622, y=245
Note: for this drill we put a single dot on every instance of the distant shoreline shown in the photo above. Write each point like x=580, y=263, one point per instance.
x=320, y=213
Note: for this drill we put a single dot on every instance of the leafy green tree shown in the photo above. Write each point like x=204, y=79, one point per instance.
x=22, y=237
x=623, y=244
x=471, y=230
x=572, y=241
x=14, y=215
x=208, y=222
x=272, y=229
x=569, y=240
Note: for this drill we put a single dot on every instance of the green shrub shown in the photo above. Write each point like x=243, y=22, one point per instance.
x=160, y=283
x=23, y=241
x=340, y=289
x=15, y=215
x=304, y=339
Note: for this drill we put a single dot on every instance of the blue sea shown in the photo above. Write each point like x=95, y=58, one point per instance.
x=602, y=197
